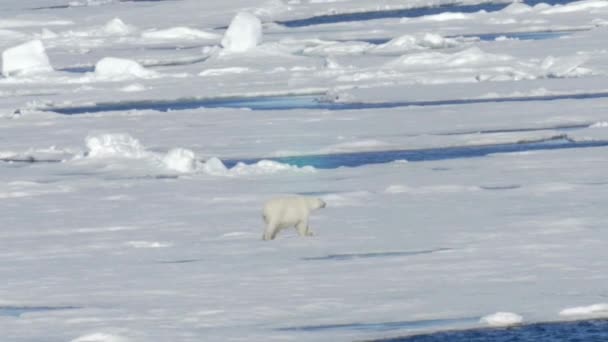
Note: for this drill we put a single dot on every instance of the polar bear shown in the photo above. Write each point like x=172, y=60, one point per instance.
x=284, y=212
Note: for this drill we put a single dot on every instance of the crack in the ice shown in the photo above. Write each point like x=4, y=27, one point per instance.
x=351, y=256
x=415, y=12
x=289, y=102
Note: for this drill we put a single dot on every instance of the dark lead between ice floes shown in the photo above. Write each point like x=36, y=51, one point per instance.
x=355, y=159
x=409, y=13
x=289, y=102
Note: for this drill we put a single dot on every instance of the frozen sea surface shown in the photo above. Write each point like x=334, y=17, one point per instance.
x=463, y=163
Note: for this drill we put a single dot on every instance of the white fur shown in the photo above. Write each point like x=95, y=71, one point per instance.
x=285, y=212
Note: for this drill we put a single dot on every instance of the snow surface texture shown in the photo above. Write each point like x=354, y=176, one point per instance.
x=133, y=224
x=26, y=58
x=244, y=33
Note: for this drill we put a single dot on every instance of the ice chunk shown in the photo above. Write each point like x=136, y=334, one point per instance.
x=266, y=167
x=435, y=41
x=26, y=58
x=409, y=42
x=48, y=34
x=132, y=88
x=89, y=3
x=148, y=244
x=117, y=27
x=502, y=319
x=595, y=310
x=100, y=337
x=119, y=68
x=181, y=160
x=114, y=145
x=180, y=32
x=600, y=124
x=562, y=66
x=214, y=166
x=244, y=33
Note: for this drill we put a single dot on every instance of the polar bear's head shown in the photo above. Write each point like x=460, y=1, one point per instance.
x=316, y=203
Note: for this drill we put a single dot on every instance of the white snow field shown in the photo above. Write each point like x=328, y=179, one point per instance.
x=140, y=139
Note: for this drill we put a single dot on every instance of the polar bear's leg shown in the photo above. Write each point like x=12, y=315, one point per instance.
x=270, y=232
x=303, y=229
x=272, y=229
